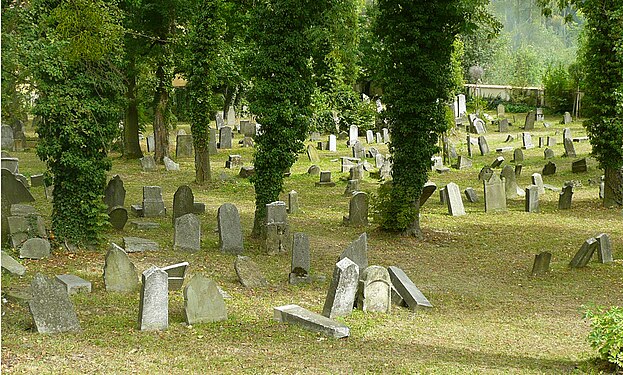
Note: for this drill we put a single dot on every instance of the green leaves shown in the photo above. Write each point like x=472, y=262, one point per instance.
x=606, y=334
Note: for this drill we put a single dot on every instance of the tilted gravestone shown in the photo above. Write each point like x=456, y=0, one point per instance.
x=35, y=248
x=225, y=138
x=483, y=145
x=549, y=169
x=187, y=233
x=301, y=261
x=249, y=273
x=357, y=210
x=512, y=189
x=463, y=162
x=139, y=245
x=312, y=154
x=154, y=303
x=153, y=204
x=579, y=166
x=11, y=265
x=114, y=195
x=583, y=256
x=230, y=230
x=569, y=148
x=309, y=320
x=564, y=199
x=50, y=306
x=537, y=180
x=532, y=199
x=184, y=146
x=359, y=152
x=529, y=124
x=455, y=202
x=203, y=302
x=497, y=162
x=526, y=139
x=541, y=263
x=604, y=248
x=343, y=289
x=428, y=190
x=548, y=153
x=412, y=296
x=119, y=272
x=170, y=165
x=183, y=202
x=375, y=290
x=357, y=251
x=471, y=195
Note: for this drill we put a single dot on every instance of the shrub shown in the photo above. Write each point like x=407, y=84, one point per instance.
x=558, y=89
x=607, y=333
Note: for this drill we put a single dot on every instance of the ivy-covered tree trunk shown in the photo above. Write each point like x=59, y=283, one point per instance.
x=132, y=148
x=161, y=117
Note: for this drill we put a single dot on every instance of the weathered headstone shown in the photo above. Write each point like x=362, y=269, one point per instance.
x=526, y=139
x=119, y=272
x=36, y=180
x=443, y=196
x=512, y=189
x=532, y=199
x=483, y=145
x=375, y=290
x=347, y=163
x=495, y=194
x=148, y=163
x=230, y=230
x=225, y=138
x=212, y=149
x=352, y=186
x=203, y=302
x=566, y=133
x=114, y=195
x=537, y=180
x=412, y=296
x=369, y=136
x=357, y=210
x=12, y=164
x=8, y=141
x=385, y=135
x=471, y=195
x=184, y=146
x=13, y=191
x=312, y=154
x=153, y=204
x=564, y=199
x=187, y=233
x=497, y=162
x=378, y=137
x=231, y=116
x=549, y=169
x=567, y=118
x=503, y=125
x=501, y=110
x=50, y=306
x=151, y=143
x=314, y=170
x=469, y=146
x=325, y=179
x=518, y=155
x=548, y=153
x=569, y=148
x=309, y=320
x=583, y=256
x=301, y=261
x=428, y=190
x=220, y=121
x=356, y=172
x=353, y=133
x=604, y=248
x=541, y=263
x=170, y=165
x=463, y=162
x=11, y=265
x=183, y=202
x=462, y=106
x=579, y=166
x=539, y=114
x=529, y=124
x=139, y=245
x=154, y=303
x=343, y=289
x=35, y=248
x=249, y=273
x=118, y=217
x=357, y=251
x=455, y=202
x=293, y=202
x=359, y=151
x=74, y=284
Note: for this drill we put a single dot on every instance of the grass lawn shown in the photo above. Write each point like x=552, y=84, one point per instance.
x=489, y=315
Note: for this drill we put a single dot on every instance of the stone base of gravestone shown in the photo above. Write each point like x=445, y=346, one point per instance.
x=249, y=273
x=74, y=284
x=541, y=263
x=314, y=322
x=51, y=308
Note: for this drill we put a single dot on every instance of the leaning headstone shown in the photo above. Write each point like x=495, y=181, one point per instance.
x=203, y=302
x=479, y=126
x=50, y=306
x=463, y=162
x=312, y=154
x=518, y=155
x=139, y=245
x=548, y=153
x=529, y=124
x=549, y=169
x=184, y=146
x=604, y=248
x=428, y=190
x=455, y=202
x=579, y=166
x=541, y=263
x=13, y=191
x=471, y=195
x=497, y=162
x=385, y=135
x=74, y=284
x=532, y=199
x=567, y=118
x=353, y=133
x=537, y=180
x=154, y=303
x=293, y=202
x=413, y=297
x=352, y=186
x=11, y=265
x=509, y=138
x=119, y=272
x=566, y=133
x=375, y=290
x=249, y=273
x=118, y=217
x=170, y=165
x=301, y=261
x=183, y=202
x=357, y=210
x=35, y=248
x=148, y=163
x=564, y=199
x=512, y=189
x=176, y=274
x=483, y=145
x=309, y=320
x=495, y=194
x=583, y=256
x=357, y=251
x=114, y=195
x=526, y=139
x=230, y=230
x=443, y=196
x=569, y=148
x=187, y=233
x=8, y=142
x=153, y=204
x=343, y=289
x=225, y=138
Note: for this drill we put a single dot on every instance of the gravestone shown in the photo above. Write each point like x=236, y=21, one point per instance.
x=583, y=256
x=183, y=202
x=12, y=164
x=309, y=320
x=325, y=179
x=356, y=172
x=231, y=116
x=369, y=136
x=151, y=143
x=548, y=153
x=469, y=146
x=564, y=199
x=13, y=191
x=485, y=173
x=539, y=114
x=518, y=169
x=347, y=163
x=249, y=273
x=566, y=133
x=153, y=308
x=353, y=133
x=428, y=190
x=541, y=263
x=551, y=141
x=153, y=204
x=119, y=272
x=184, y=146
x=352, y=186
x=529, y=124
x=50, y=307
x=503, y=125
x=170, y=165
x=357, y=210
x=247, y=128
x=537, y=180
x=230, y=230
x=35, y=248
x=455, y=202
x=497, y=162
x=74, y=284
x=357, y=251
x=518, y=155
x=567, y=118
x=148, y=163
x=501, y=110
x=293, y=202
x=509, y=138
x=379, y=138
x=212, y=149
x=604, y=248
x=526, y=139
x=471, y=195
x=276, y=212
x=312, y=154
x=579, y=166
x=462, y=106
x=203, y=302
x=301, y=261
x=343, y=289
x=463, y=162
x=175, y=275
x=549, y=169
x=532, y=199
x=225, y=138
x=358, y=151
x=11, y=265
x=246, y=171
x=277, y=228
x=139, y=245
x=332, y=142
x=36, y=180
x=114, y=195
x=220, y=122
x=187, y=233
x=541, y=142
x=314, y=170
x=483, y=145
x=512, y=189
x=478, y=126
x=8, y=141
x=118, y=217
x=379, y=159
x=23, y=227
x=385, y=135
x=412, y=296
x=495, y=194
x=569, y=148
x=375, y=290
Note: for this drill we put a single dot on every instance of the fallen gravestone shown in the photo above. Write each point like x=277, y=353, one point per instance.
x=176, y=274
x=301, y=262
x=375, y=290
x=74, y=284
x=11, y=265
x=314, y=322
x=35, y=248
x=139, y=245
x=203, y=302
x=343, y=289
x=230, y=231
x=412, y=296
x=428, y=190
x=50, y=307
x=497, y=162
x=119, y=272
x=541, y=263
x=154, y=303
x=249, y=273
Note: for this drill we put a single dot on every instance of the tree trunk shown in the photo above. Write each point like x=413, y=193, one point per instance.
x=132, y=148
x=613, y=187
x=203, y=173
x=230, y=93
x=259, y=222
x=414, y=229
x=161, y=126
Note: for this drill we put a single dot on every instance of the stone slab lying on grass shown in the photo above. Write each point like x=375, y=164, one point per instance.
x=144, y=225
x=139, y=245
x=51, y=308
x=309, y=320
x=407, y=289
x=74, y=284
x=11, y=265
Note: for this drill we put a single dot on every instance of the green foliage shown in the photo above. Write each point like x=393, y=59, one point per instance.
x=393, y=210
x=79, y=90
x=458, y=51
x=606, y=334
x=558, y=89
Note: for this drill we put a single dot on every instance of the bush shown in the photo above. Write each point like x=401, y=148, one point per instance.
x=607, y=333
x=558, y=89
x=392, y=210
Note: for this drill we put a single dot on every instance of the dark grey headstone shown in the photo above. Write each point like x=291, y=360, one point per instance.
x=153, y=312
x=485, y=174
x=225, y=138
x=503, y=125
x=13, y=191
x=343, y=289
x=565, y=197
x=276, y=212
x=549, y=169
x=413, y=297
x=518, y=155
x=497, y=162
x=118, y=217
x=583, y=256
x=119, y=272
x=579, y=166
x=604, y=248
x=203, y=302
x=246, y=171
x=301, y=261
x=541, y=263
x=325, y=179
x=529, y=124
x=184, y=146
x=8, y=141
x=357, y=210
x=249, y=273
x=187, y=233
x=314, y=170
x=51, y=308
x=357, y=251
x=428, y=190
x=11, y=164
x=471, y=195
x=230, y=230
x=569, y=148
x=183, y=202
x=309, y=320
x=532, y=199
x=36, y=180
x=233, y=162
x=35, y=248
x=114, y=195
